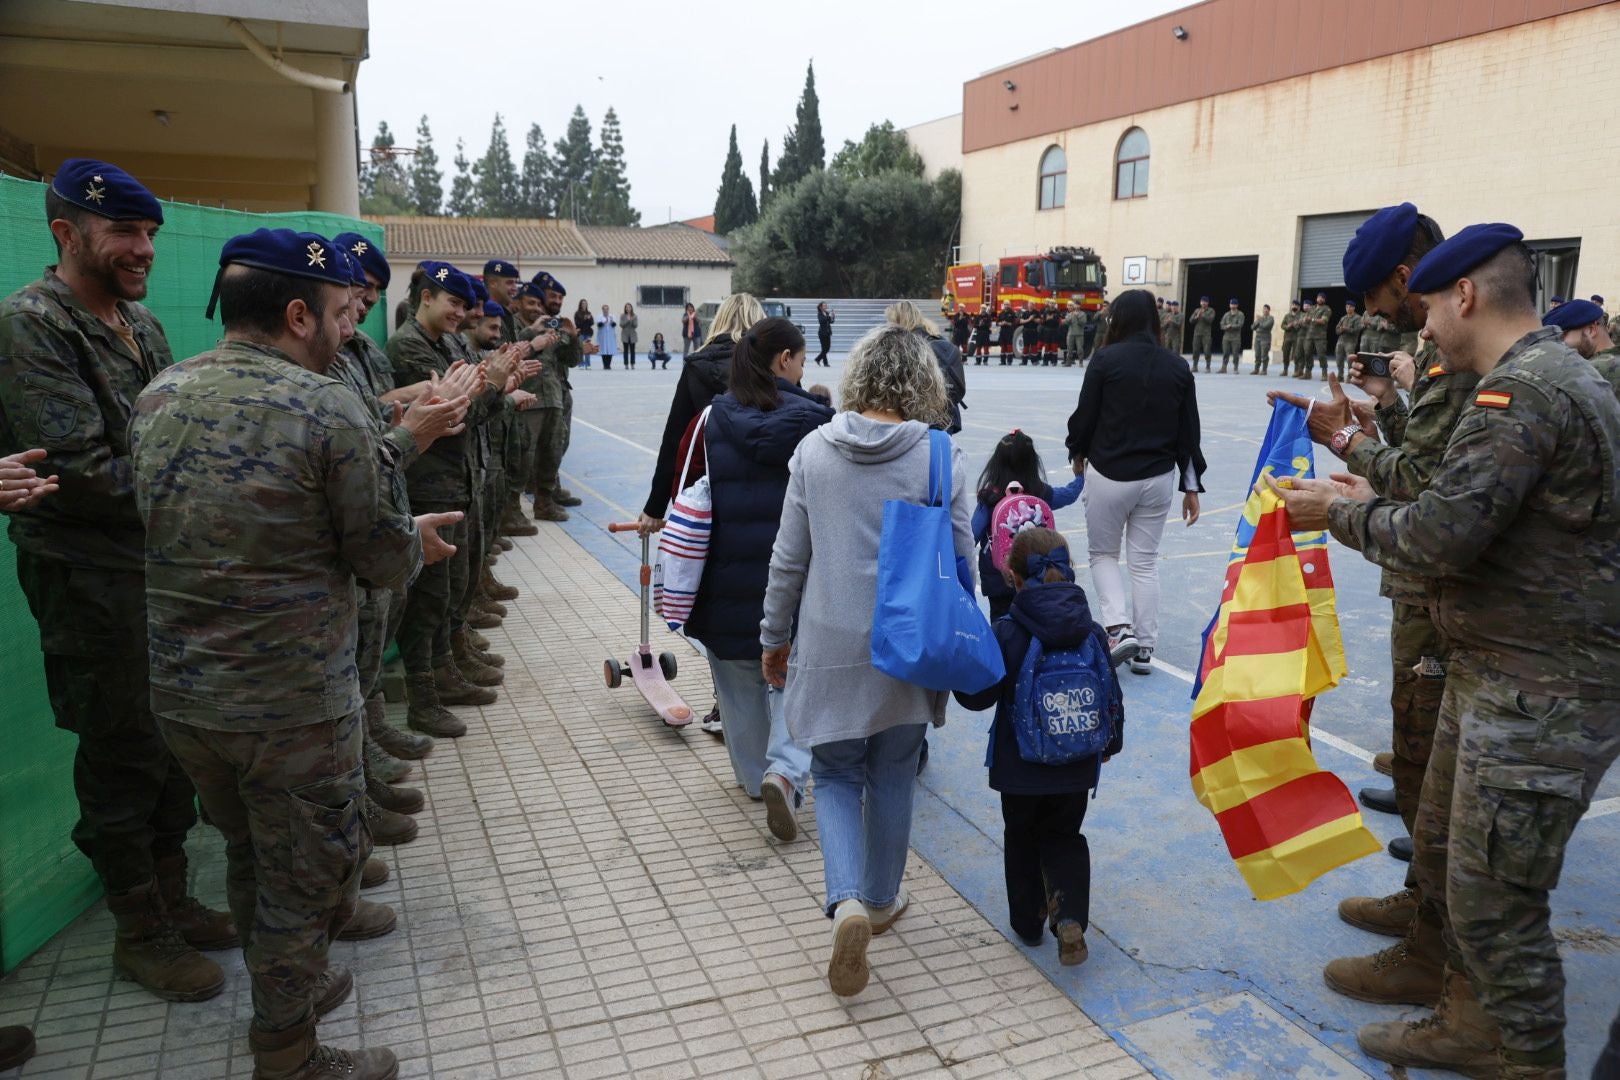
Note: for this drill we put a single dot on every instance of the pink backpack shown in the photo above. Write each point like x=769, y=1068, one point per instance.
x=1018, y=510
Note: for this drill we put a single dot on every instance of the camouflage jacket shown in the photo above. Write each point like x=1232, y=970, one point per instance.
x=1263, y=325
x=364, y=368
x=444, y=475
x=1292, y=321
x=1377, y=334
x=1349, y=326
x=68, y=383
x=1317, y=319
x=1607, y=363
x=1232, y=322
x=1519, y=527
x=1203, y=319
x=550, y=386
x=265, y=499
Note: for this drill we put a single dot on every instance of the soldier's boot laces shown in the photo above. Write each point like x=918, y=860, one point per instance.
x=1409, y=972
x=295, y=1054
x=150, y=951
x=426, y=713
x=201, y=927
x=472, y=668
x=383, y=765
x=1388, y=915
x=395, y=743
x=387, y=827
x=455, y=690
x=332, y=988
x=494, y=589
x=1459, y=1036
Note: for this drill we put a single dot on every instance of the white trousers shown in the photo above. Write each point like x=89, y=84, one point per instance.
x=1129, y=514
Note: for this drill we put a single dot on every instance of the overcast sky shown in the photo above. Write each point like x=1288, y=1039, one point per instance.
x=681, y=74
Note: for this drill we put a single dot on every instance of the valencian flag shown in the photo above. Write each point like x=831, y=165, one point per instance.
x=1273, y=645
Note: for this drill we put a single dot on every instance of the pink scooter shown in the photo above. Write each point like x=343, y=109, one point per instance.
x=650, y=676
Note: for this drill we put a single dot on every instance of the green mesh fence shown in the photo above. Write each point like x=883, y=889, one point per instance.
x=44, y=881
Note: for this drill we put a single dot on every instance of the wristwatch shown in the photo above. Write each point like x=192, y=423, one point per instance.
x=1340, y=441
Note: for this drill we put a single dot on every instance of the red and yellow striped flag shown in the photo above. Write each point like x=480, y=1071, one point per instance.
x=1273, y=646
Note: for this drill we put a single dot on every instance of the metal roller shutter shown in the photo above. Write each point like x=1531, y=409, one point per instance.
x=1321, y=248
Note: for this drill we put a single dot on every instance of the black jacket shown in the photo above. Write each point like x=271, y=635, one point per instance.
x=1138, y=415
x=824, y=322
x=954, y=371
x=704, y=375
x=1059, y=615
x=747, y=451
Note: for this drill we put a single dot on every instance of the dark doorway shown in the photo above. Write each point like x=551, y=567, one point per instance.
x=1556, y=264
x=1220, y=280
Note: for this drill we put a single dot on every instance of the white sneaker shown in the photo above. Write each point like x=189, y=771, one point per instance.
x=847, y=971
x=779, y=816
x=1142, y=662
x=883, y=917
x=1121, y=645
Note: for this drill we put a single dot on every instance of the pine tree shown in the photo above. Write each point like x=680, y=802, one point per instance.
x=534, y=186
x=427, y=187
x=463, y=197
x=384, y=187
x=803, y=151
x=572, y=163
x=497, y=177
x=764, y=175
x=734, y=206
x=610, y=187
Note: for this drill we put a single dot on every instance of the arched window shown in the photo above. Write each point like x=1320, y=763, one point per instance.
x=1054, y=178
x=1131, y=166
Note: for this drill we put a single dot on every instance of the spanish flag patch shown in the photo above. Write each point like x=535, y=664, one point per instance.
x=1493, y=399
x=1436, y=370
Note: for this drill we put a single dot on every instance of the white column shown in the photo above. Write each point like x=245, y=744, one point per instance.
x=337, y=172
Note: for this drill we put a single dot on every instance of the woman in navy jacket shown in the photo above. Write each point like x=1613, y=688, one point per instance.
x=750, y=435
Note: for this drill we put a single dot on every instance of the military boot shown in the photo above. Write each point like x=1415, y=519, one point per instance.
x=1459, y=1036
x=505, y=544
x=395, y=743
x=484, y=602
x=387, y=827
x=563, y=497
x=455, y=690
x=1384, y=763
x=546, y=510
x=401, y=800
x=483, y=655
x=477, y=640
x=374, y=873
x=516, y=523
x=480, y=618
x=425, y=713
x=382, y=765
x=150, y=951
x=202, y=928
x=370, y=920
x=295, y=1054
x=332, y=988
x=1388, y=915
x=16, y=1046
x=471, y=667
x=1409, y=972
x=494, y=589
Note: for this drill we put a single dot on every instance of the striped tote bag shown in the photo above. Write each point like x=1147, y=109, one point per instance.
x=683, y=545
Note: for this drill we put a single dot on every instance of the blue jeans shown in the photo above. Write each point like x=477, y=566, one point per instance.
x=863, y=848
x=756, y=731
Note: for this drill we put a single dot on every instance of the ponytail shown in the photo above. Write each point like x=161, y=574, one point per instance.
x=753, y=381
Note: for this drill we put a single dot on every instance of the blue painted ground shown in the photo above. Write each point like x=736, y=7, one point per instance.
x=1199, y=979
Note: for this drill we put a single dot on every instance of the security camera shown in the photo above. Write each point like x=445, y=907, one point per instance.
x=1179, y=33
x=1009, y=84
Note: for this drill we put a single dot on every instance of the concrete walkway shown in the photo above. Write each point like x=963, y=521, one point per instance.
x=593, y=896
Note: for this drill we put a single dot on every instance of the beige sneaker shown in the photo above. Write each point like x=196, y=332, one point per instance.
x=847, y=971
x=779, y=813
x=883, y=917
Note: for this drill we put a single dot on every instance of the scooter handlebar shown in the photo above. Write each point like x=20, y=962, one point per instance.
x=623, y=526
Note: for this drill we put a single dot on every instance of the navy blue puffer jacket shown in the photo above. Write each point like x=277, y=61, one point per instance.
x=748, y=451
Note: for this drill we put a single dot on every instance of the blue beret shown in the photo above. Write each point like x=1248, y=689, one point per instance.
x=499, y=268
x=1379, y=246
x=1349, y=303
x=1555, y=300
x=357, y=273
x=106, y=190
x=529, y=288
x=547, y=283
x=1233, y=302
x=367, y=252
x=480, y=290
x=1461, y=253
x=1596, y=299
x=1203, y=299
x=1175, y=303
x=448, y=278
x=283, y=251
x=1573, y=314
x=493, y=310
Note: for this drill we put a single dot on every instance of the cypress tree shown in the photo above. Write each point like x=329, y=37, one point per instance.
x=734, y=206
x=463, y=198
x=534, y=187
x=803, y=151
x=497, y=183
x=764, y=175
x=572, y=163
x=427, y=188
x=610, y=187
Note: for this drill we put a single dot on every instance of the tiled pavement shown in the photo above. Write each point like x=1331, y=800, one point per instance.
x=592, y=895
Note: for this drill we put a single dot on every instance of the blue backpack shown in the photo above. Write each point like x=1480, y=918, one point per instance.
x=1063, y=703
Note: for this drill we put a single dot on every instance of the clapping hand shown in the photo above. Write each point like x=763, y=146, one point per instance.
x=20, y=486
x=434, y=547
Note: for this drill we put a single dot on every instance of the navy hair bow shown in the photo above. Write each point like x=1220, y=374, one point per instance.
x=1036, y=565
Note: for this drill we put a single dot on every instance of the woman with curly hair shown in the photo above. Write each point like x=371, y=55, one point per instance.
x=864, y=729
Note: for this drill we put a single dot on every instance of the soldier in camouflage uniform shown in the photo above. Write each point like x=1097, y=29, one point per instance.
x=252, y=464
x=1314, y=347
x=1232, y=337
x=1349, y=341
x=1203, y=328
x=557, y=344
x=1293, y=332
x=75, y=350
x=1581, y=323
x=1519, y=535
x=1262, y=340
x=1376, y=335
x=1074, y=340
x=1170, y=327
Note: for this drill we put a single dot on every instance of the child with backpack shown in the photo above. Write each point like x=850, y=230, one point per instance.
x=1001, y=514
x=1059, y=716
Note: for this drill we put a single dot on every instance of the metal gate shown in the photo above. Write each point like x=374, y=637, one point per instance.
x=1321, y=248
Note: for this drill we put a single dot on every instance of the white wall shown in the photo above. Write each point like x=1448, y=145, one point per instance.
x=939, y=142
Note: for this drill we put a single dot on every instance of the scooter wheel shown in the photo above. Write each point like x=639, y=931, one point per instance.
x=612, y=673
x=666, y=664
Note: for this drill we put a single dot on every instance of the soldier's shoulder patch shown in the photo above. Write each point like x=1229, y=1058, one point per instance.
x=1435, y=371
x=1493, y=399
x=57, y=417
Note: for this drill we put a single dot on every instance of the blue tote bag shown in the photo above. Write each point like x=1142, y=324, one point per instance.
x=927, y=628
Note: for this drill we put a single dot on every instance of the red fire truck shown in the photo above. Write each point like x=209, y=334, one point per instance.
x=1063, y=274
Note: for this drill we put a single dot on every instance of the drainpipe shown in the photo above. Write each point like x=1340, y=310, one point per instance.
x=286, y=70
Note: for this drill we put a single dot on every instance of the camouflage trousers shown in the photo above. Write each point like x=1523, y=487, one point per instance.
x=1201, y=343
x=380, y=612
x=517, y=455
x=1262, y=352
x=550, y=430
x=1417, y=657
x=1231, y=349
x=289, y=804
x=1509, y=777
x=1314, y=349
x=468, y=562
x=135, y=804
x=424, y=627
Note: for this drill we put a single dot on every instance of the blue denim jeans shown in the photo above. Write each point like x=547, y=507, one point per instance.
x=863, y=812
x=756, y=731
